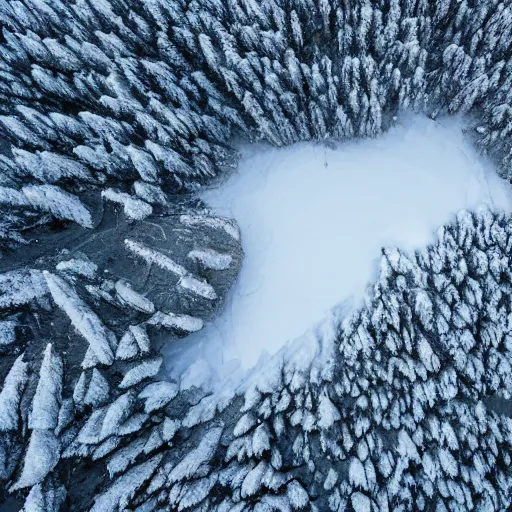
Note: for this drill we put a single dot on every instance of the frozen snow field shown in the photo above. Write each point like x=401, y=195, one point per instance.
x=313, y=221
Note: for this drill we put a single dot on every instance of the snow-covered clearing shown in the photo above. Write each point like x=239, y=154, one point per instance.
x=313, y=220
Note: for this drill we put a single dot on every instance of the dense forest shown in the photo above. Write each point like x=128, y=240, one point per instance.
x=113, y=114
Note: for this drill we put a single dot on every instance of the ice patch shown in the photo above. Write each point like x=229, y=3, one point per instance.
x=313, y=220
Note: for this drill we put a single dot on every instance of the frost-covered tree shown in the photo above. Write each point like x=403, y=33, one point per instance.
x=43, y=450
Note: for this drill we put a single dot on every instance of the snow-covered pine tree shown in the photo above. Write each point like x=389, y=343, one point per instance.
x=43, y=452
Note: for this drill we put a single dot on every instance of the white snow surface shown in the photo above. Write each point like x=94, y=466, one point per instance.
x=313, y=220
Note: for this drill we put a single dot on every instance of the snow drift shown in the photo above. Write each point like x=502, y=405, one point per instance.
x=314, y=219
